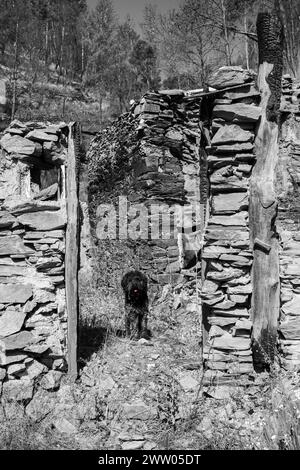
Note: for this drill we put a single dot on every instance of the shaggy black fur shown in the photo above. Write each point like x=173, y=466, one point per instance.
x=134, y=284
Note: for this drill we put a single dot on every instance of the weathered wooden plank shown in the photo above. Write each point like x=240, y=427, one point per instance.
x=263, y=203
x=72, y=251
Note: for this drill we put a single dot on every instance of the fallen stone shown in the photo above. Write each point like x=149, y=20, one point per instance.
x=137, y=410
x=132, y=445
x=105, y=385
x=64, y=426
x=188, y=382
x=17, y=390
x=51, y=380
x=41, y=405
x=221, y=392
x=11, y=321
x=129, y=436
x=150, y=445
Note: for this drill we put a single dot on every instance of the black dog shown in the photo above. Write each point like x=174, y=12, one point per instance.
x=134, y=285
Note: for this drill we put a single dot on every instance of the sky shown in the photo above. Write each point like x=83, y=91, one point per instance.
x=135, y=8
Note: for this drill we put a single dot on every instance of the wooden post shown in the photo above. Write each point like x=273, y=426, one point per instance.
x=263, y=203
x=72, y=252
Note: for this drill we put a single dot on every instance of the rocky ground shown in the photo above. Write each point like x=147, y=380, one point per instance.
x=149, y=395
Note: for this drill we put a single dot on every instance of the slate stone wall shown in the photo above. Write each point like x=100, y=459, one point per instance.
x=288, y=225
x=33, y=321
x=226, y=291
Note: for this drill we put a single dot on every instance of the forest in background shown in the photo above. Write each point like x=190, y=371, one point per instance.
x=64, y=43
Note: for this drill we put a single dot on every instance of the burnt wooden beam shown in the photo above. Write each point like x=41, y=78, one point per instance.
x=263, y=203
x=72, y=250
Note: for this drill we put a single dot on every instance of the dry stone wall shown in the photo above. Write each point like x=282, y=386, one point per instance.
x=226, y=254
x=167, y=171
x=288, y=220
x=160, y=157
x=33, y=320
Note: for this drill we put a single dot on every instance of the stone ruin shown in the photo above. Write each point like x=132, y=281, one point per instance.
x=178, y=148
x=200, y=146
x=33, y=216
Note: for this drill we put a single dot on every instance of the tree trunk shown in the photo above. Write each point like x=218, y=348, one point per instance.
x=100, y=111
x=263, y=203
x=15, y=72
x=246, y=39
x=227, y=47
x=46, y=43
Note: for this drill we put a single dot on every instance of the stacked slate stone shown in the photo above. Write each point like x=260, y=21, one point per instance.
x=290, y=98
x=167, y=173
x=226, y=292
x=32, y=248
x=288, y=186
x=289, y=327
